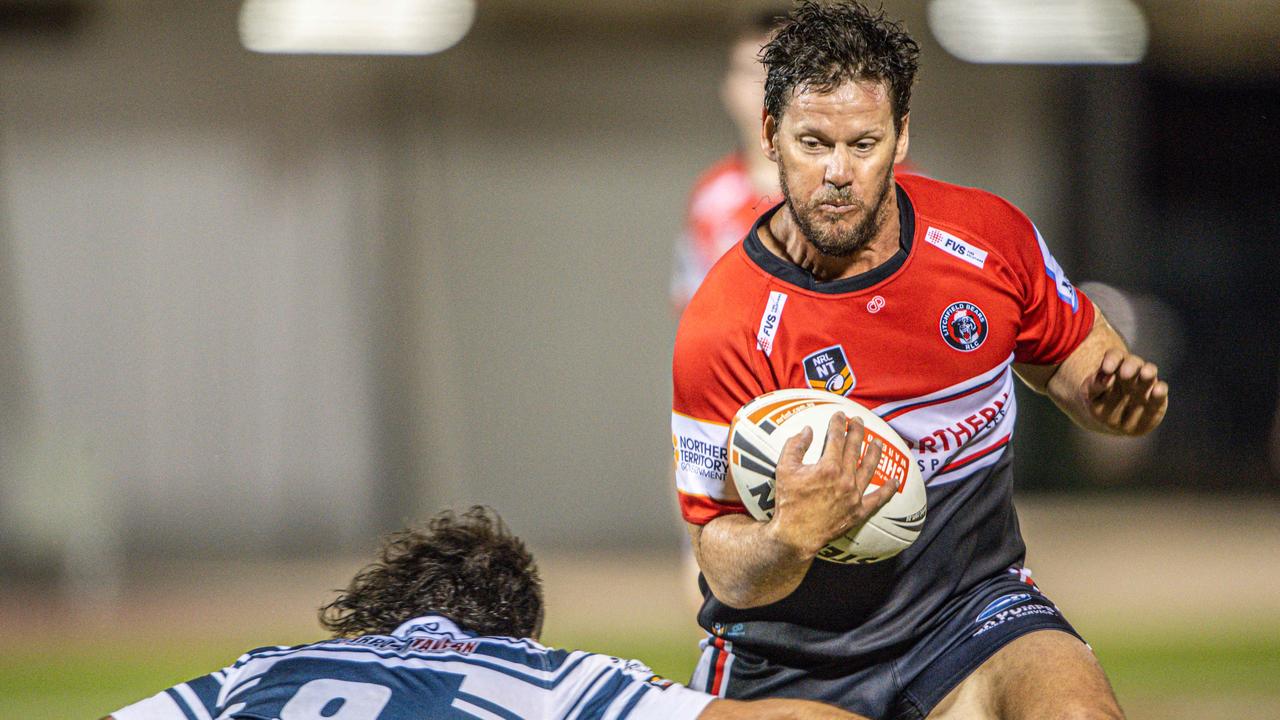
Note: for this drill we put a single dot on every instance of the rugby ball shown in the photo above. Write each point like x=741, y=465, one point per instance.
x=762, y=426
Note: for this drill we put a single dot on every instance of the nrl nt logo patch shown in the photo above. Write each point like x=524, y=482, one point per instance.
x=828, y=369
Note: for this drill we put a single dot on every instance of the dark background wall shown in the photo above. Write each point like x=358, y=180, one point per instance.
x=273, y=303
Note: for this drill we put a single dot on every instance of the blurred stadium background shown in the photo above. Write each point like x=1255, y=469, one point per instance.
x=257, y=309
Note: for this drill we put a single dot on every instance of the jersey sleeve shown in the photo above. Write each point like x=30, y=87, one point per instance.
x=1056, y=316
x=713, y=375
x=196, y=698
x=629, y=689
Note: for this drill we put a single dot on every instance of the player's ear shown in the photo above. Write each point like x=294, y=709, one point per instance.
x=769, y=135
x=904, y=139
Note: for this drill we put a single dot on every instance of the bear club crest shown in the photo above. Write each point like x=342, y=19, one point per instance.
x=963, y=326
x=828, y=370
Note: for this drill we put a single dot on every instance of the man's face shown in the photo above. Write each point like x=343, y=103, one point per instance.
x=835, y=153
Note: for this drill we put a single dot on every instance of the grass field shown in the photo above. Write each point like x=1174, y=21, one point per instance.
x=1184, y=637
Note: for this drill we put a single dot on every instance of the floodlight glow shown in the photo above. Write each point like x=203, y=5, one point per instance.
x=1106, y=32
x=363, y=27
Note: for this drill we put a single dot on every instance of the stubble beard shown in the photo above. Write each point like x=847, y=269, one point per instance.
x=829, y=240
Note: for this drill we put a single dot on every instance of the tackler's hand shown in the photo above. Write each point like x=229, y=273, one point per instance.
x=819, y=502
x=1126, y=395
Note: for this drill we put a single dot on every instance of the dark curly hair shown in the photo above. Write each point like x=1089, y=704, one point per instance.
x=821, y=45
x=468, y=568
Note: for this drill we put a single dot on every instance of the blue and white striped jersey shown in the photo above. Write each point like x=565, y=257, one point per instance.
x=427, y=668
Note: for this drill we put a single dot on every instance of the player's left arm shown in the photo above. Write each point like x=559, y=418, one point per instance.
x=1102, y=385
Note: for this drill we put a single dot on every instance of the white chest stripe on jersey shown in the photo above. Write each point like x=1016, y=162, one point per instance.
x=980, y=453
x=949, y=243
x=958, y=430
x=890, y=410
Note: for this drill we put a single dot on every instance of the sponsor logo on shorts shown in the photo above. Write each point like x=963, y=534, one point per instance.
x=963, y=326
x=1012, y=614
x=769, y=321
x=949, y=243
x=734, y=630
x=1001, y=603
x=828, y=369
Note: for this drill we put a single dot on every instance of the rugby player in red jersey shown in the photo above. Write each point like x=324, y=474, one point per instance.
x=920, y=300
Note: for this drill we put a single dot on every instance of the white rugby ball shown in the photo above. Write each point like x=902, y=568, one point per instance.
x=762, y=426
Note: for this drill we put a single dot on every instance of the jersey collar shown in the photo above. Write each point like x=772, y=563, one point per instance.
x=431, y=625
x=798, y=276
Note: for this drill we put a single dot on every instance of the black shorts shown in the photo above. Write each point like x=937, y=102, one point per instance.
x=908, y=686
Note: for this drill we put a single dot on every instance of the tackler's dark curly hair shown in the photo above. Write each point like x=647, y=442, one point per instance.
x=468, y=568
x=823, y=44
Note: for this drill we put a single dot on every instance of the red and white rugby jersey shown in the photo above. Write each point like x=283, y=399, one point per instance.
x=926, y=340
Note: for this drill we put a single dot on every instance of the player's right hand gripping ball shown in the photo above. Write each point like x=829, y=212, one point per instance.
x=760, y=429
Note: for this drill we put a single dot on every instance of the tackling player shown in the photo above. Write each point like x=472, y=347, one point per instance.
x=920, y=300
x=443, y=626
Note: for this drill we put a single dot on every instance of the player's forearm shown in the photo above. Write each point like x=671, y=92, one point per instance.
x=1067, y=385
x=745, y=563
x=1104, y=387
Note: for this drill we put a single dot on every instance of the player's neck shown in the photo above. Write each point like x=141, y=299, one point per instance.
x=783, y=237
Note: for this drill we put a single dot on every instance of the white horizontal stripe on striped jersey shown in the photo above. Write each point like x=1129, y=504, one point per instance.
x=671, y=703
x=523, y=689
x=476, y=710
x=624, y=699
x=701, y=457
x=260, y=664
x=160, y=706
x=571, y=705
x=193, y=702
x=228, y=692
